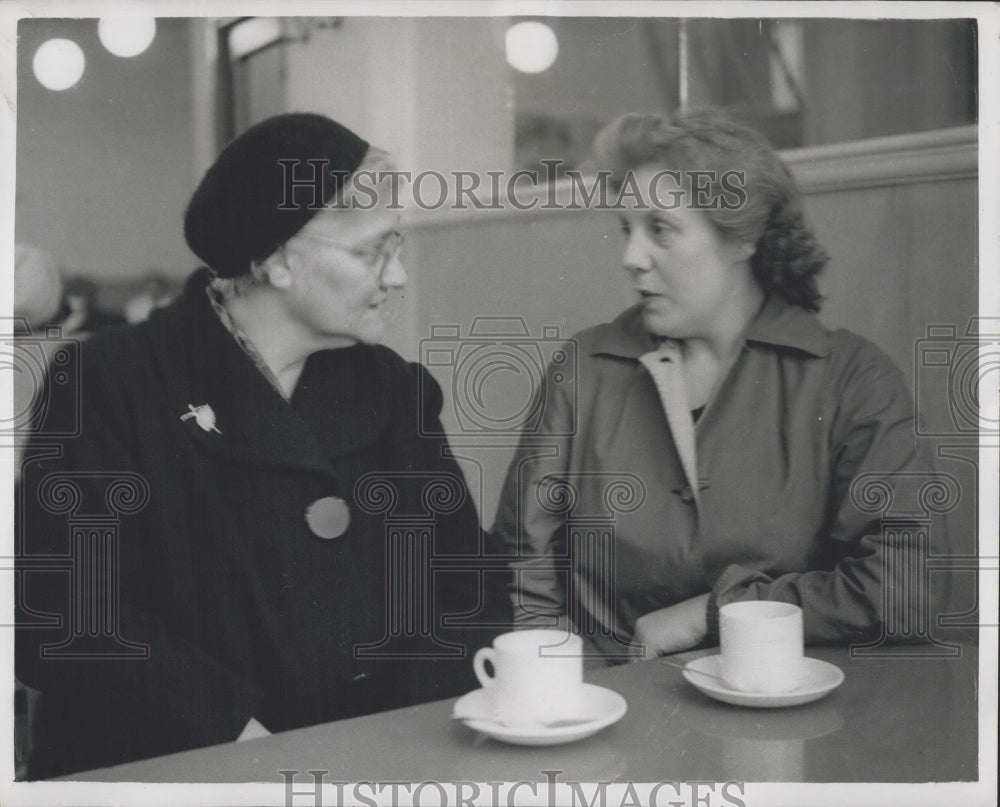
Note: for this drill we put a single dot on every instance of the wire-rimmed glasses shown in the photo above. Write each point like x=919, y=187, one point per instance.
x=377, y=256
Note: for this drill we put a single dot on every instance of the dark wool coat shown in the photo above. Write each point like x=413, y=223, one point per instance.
x=188, y=542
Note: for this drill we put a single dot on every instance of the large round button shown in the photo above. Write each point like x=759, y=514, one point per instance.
x=328, y=517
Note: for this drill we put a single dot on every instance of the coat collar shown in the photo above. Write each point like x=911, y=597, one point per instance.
x=340, y=405
x=777, y=324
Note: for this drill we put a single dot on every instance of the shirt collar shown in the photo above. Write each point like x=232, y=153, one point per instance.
x=778, y=324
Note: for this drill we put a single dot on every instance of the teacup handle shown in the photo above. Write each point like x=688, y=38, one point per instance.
x=484, y=654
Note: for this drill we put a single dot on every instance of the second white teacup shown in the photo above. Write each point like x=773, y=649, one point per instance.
x=762, y=646
x=537, y=675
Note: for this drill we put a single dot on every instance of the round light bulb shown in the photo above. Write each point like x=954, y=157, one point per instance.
x=126, y=36
x=532, y=47
x=58, y=64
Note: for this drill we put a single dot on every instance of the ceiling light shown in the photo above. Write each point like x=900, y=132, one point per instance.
x=58, y=64
x=532, y=47
x=126, y=36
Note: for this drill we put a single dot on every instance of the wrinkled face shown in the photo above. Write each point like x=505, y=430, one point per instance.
x=684, y=271
x=342, y=266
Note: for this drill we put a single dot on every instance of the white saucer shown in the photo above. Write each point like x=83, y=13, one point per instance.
x=604, y=707
x=818, y=679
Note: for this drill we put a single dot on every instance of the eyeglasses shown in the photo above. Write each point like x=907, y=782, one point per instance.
x=378, y=257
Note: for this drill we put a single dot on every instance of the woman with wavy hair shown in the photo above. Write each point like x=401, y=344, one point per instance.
x=717, y=429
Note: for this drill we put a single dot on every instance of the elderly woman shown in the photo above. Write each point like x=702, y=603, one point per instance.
x=267, y=500
x=717, y=424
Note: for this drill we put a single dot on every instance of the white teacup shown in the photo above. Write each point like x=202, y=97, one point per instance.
x=537, y=675
x=761, y=644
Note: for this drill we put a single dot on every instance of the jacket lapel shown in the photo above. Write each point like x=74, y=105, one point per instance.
x=662, y=366
x=202, y=365
x=345, y=396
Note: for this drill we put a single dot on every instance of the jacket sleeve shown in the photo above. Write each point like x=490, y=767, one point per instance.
x=870, y=589
x=534, y=535
x=153, y=692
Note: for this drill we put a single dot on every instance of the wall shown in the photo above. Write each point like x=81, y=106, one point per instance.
x=891, y=76
x=619, y=58
x=899, y=216
x=104, y=169
x=121, y=152
x=433, y=91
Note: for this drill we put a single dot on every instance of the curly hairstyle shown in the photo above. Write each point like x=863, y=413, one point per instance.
x=787, y=258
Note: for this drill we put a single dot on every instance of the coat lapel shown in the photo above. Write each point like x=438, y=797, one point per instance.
x=203, y=365
x=345, y=396
x=662, y=366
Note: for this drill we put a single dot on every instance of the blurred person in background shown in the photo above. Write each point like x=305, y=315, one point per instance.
x=46, y=296
x=38, y=287
x=155, y=293
x=83, y=314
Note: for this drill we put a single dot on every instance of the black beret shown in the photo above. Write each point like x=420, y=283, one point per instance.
x=252, y=199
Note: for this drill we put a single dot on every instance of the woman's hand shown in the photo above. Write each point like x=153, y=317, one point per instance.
x=673, y=629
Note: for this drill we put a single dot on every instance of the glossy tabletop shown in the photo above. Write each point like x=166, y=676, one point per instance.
x=911, y=718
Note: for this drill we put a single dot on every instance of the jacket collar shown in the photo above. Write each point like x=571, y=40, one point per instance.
x=777, y=324
x=337, y=407
x=784, y=325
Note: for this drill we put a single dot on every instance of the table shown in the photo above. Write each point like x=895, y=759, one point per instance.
x=894, y=719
